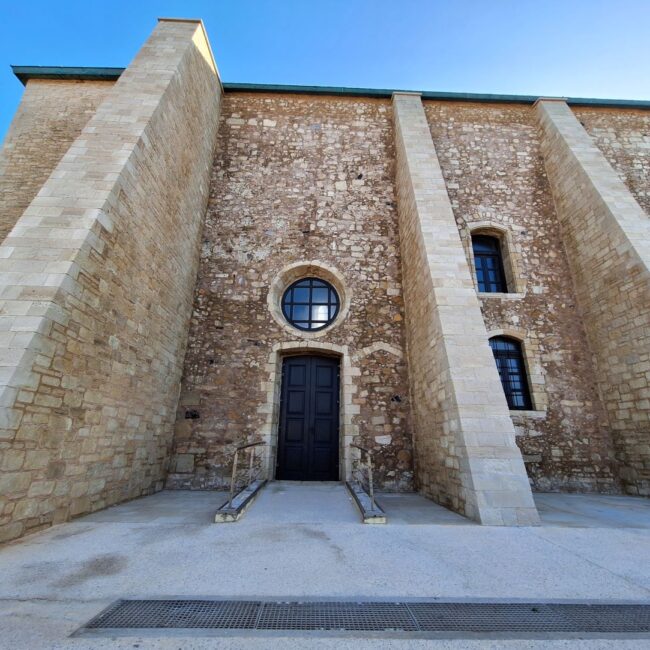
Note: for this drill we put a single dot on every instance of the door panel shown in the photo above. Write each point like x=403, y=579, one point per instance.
x=322, y=431
x=308, y=439
x=323, y=404
x=295, y=429
x=297, y=375
x=324, y=376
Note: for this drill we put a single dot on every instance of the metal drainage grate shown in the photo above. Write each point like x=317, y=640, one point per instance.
x=437, y=617
x=352, y=617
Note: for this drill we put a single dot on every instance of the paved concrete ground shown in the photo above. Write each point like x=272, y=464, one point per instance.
x=305, y=540
x=593, y=511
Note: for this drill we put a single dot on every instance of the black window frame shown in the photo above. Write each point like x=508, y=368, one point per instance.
x=291, y=300
x=511, y=366
x=489, y=262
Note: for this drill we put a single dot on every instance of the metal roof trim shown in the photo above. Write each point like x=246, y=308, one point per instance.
x=25, y=73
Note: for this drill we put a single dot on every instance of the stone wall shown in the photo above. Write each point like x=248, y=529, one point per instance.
x=466, y=456
x=50, y=116
x=607, y=237
x=493, y=168
x=96, y=289
x=296, y=178
x=623, y=136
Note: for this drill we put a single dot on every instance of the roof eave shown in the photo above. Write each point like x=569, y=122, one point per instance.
x=25, y=73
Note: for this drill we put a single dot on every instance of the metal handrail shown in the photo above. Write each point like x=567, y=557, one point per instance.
x=371, y=488
x=233, y=478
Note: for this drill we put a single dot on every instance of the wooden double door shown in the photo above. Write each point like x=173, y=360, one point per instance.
x=308, y=437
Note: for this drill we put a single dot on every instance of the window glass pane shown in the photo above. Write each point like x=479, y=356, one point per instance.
x=320, y=295
x=490, y=276
x=300, y=312
x=320, y=313
x=485, y=244
x=300, y=294
x=509, y=360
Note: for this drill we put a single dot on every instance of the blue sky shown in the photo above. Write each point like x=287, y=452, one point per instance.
x=579, y=48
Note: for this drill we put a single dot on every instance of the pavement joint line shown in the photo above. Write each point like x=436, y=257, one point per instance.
x=356, y=598
x=393, y=598
x=312, y=635
x=46, y=599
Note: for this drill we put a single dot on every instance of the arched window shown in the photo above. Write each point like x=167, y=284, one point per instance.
x=512, y=371
x=310, y=304
x=488, y=262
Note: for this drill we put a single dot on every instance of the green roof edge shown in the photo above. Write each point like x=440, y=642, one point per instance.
x=427, y=94
x=25, y=73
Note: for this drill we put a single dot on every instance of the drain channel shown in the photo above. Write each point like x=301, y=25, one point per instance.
x=487, y=618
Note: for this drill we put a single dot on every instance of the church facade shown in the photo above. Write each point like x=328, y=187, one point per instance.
x=457, y=283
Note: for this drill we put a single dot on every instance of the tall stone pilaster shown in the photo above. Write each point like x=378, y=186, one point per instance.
x=467, y=458
x=607, y=237
x=96, y=288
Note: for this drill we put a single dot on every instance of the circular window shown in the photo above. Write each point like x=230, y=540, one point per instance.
x=310, y=304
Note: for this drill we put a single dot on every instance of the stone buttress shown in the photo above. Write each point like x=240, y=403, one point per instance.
x=96, y=282
x=466, y=454
x=607, y=237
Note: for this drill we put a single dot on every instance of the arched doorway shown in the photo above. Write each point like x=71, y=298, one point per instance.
x=308, y=434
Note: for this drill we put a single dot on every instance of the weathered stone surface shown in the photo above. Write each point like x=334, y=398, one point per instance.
x=467, y=458
x=50, y=116
x=184, y=463
x=296, y=179
x=96, y=282
x=494, y=172
x=607, y=236
x=623, y=137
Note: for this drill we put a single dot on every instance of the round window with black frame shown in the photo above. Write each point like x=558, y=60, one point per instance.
x=310, y=304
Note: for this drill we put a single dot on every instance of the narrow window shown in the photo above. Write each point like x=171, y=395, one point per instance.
x=489, y=264
x=512, y=371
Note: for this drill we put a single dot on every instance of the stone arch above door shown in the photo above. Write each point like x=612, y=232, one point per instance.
x=271, y=407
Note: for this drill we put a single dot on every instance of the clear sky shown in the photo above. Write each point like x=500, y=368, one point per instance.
x=578, y=48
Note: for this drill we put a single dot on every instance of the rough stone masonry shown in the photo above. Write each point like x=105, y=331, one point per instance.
x=152, y=219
